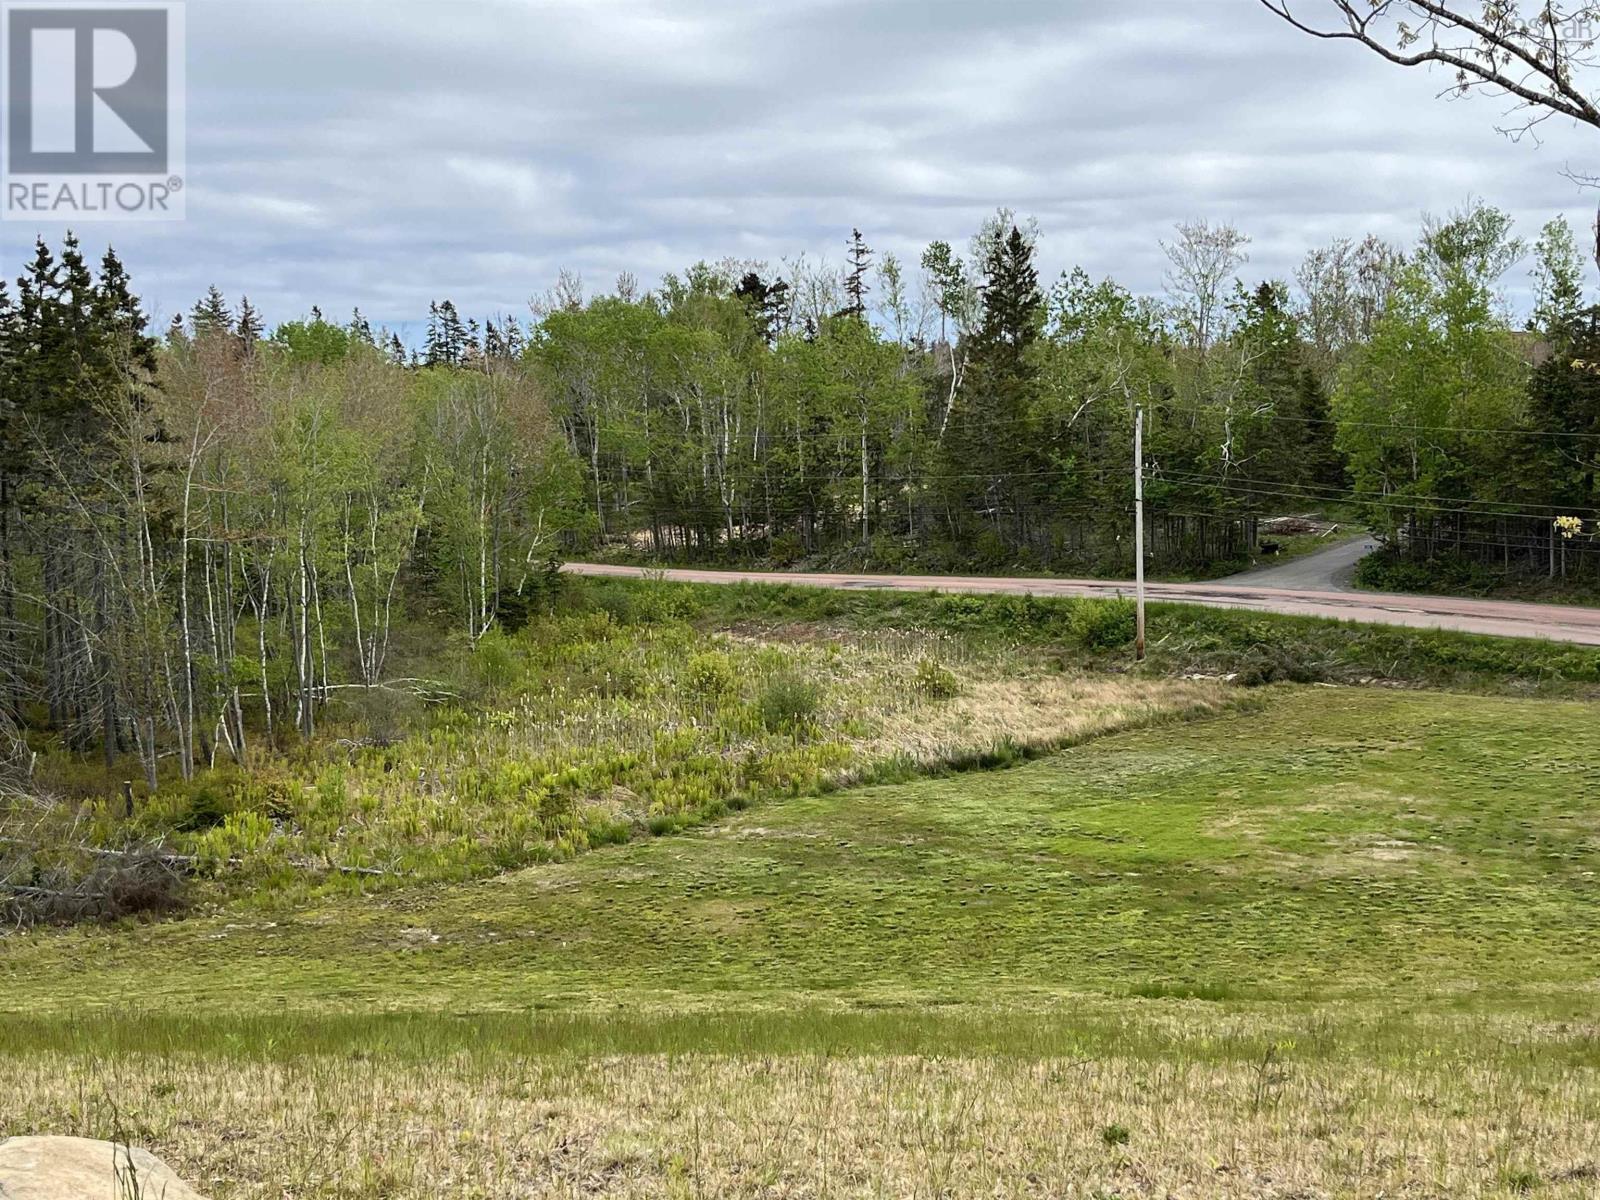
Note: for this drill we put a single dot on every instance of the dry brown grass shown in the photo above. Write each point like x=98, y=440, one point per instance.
x=704, y=1125
x=1034, y=713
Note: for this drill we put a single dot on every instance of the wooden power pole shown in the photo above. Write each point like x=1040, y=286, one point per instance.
x=1138, y=528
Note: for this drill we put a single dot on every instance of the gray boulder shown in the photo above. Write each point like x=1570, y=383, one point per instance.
x=69, y=1168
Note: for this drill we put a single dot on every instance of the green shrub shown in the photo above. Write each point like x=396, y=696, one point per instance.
x=710, y=678
x=494, y=659
x=207, y=809
x=386, y=715
x=1115, y=1135
x=789, y=703
x=1103, y=624
x=935, y=681
x=1519, y=1180
x=1386, y=571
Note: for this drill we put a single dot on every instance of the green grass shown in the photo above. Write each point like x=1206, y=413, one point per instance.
x=580, y=730
x=1339, y=943
x=1340, y=844
x=1185, y=638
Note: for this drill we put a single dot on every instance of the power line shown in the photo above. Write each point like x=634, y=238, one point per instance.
x=1351, y=495
x=1319, y=493
x=1262, y=490
x=1045, y=420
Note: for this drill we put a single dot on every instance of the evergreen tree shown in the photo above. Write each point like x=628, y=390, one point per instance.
x=989, y=459
x=210, y=315
x=512, y=338
x=433, y=353
x=453, y=334
x=44, y=351
x=249, y=326
x=121, y=320
x=448, y=339
x=855, y=281
x=1013, y=306
x=361, y=329
x=767, y=304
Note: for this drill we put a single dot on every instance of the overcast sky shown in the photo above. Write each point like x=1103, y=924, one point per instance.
x=385, y=152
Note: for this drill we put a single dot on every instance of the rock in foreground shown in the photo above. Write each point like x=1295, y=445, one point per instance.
x=69, y=1168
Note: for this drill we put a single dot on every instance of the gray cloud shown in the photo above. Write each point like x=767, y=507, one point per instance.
x=348, y=152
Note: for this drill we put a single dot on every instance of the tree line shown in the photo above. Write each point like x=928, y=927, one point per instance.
x=957, y=414
x=210, y=535
x=204, y=538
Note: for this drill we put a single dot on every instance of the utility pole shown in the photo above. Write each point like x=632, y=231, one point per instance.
x=1138, y=527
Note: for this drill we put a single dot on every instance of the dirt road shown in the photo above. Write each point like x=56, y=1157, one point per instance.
x=1558, y=622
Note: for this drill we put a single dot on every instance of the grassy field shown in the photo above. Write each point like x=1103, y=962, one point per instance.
x=1338, y=843
x=584, y=729
x=1337, y=944
x=1294, y=941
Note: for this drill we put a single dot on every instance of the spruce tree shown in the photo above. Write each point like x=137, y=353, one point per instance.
x=855, y=283
x=767, y=304
x=433, y=353
x=210, y=315
x=511, y=338
x=452, y=334
x=46, y=350
x=249, y=326
x=989, y=455
x=120, y=319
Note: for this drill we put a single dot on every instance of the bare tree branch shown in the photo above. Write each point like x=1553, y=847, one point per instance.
x=1534, y=53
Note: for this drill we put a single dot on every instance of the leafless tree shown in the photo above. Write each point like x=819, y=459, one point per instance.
x=1204, y=258
x=1534, y=54
x=1344, y=288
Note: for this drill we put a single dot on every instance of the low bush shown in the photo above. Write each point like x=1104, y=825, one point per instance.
x=1389, y=572
x=788, y=703
x=1103, y=624
x=935, y=681
x=709, y=678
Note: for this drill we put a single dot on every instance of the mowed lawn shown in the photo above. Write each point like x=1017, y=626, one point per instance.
x=1332, y=844
x=1340, y=945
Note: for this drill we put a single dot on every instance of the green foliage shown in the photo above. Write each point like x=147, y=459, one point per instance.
x=207, y=809
x=1557, y=280
x=1440, y=359
x=1448, y=574
x=935, y=681
x=789, y=703
x=709, y=678
x=1103, y=624
x=314, y=342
